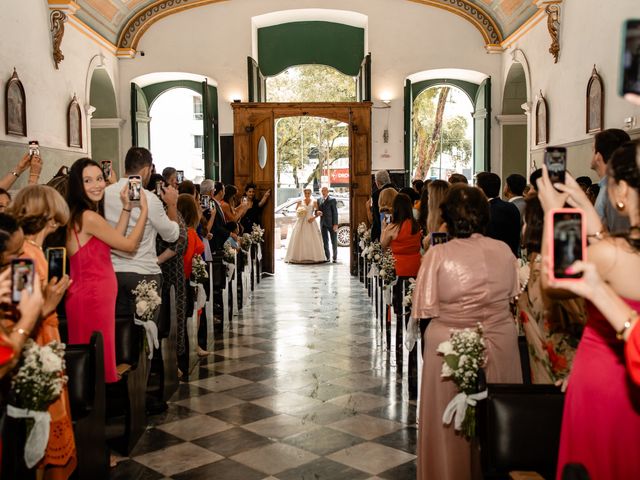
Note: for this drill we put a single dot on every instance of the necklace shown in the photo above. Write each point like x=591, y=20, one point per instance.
x=32, y=242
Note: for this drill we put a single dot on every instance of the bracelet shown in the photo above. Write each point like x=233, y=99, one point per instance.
x=599, y=235
x=14, y=173
x=125, y=210
x=22, y=331
x=633, y=316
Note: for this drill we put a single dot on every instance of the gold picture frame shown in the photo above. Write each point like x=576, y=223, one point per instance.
x=595, y=103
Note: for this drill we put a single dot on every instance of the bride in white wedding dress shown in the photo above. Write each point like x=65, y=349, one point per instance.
x=305, y=244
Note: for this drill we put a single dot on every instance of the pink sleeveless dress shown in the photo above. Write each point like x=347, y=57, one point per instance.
x=91, y=299
x=601, y=420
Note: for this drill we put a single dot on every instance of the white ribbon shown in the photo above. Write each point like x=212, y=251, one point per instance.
x=387, y=292
x=413, y=334
x=458, y=407
x=151, y=330
x=373, y=271
x=201, y=298
x=231, y=267
x=259, y=255
x=38, y=436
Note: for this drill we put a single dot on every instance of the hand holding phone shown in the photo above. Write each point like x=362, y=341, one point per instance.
x=22, y=277
x=567, y=242
x=135, y=187
x=159, y=188
x=388, y=218
x=57, y=260
x=34, y=148
x=180, y=176
x=555, y=159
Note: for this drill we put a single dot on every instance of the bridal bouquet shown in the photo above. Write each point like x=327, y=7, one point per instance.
x=464, y=354
x=257, y=234
x=37, y=383
x=301, y=212
x=387, y=267
x=199, y=272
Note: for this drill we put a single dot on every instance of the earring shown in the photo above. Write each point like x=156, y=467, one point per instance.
x=620, y=206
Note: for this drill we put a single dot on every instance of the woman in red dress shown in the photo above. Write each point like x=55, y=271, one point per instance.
x=91, y=299
x=404, y=236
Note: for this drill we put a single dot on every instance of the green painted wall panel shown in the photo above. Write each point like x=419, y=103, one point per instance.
x=105, y=146
x=514, y=150
x=301, y=43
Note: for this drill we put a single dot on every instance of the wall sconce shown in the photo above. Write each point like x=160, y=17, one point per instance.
x=236, y=100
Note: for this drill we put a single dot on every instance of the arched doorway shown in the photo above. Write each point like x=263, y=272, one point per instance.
x=254, y=123
x=104, y=122
x=513, y=123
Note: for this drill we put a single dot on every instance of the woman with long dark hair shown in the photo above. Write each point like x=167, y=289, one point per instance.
x=91, y=299
x=403, y=236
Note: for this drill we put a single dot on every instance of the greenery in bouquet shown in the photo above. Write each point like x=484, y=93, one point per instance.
x=199, y=272
x=246, y=242
x=147, y=299
x=464, y=354
x=387, y=267
x=40, y=377
x=228, y=253
x=257, y=234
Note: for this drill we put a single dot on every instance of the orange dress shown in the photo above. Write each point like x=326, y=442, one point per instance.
x=59, y=459
x=406, y=250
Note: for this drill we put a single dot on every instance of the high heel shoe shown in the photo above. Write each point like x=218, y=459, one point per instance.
x=202, y=353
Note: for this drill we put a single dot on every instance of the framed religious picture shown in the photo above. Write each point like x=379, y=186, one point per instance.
x=542, y=121
x=15, y=105
x=595, y=103
x=74, y=124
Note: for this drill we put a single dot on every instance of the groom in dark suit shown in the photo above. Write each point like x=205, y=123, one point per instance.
x=329, y=223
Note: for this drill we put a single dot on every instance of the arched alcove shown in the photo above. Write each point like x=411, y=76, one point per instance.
x=104, y=122
x=513, y=122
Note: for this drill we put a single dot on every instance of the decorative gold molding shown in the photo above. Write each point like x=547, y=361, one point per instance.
x=553, y=24
x=57, y=18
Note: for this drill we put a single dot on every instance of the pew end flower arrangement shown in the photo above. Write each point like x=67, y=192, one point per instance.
x=257, y=234
x=464, y=354
x=147, y=302
x=199, y=272
x=246, y=242
x=228, y=253
x=37, y=383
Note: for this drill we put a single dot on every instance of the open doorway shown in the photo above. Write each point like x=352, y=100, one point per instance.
x=176, y=131
x=310, y=152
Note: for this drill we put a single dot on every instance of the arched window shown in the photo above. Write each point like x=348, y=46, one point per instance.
x=311, y=83
x=442, y=126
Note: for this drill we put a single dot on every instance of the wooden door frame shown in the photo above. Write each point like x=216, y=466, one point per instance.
x=253, y=120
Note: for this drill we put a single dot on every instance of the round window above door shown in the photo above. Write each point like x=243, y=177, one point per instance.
x=262, y=152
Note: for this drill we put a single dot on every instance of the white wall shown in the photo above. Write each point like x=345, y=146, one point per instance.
x=403, y=37
x=589, y=34
x=26, y=45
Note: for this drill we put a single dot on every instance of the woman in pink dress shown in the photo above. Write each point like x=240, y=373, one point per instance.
x=91, y=299
x=601, y=419
x=468, y=280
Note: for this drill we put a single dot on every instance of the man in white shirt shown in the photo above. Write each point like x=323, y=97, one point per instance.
x=131, y=268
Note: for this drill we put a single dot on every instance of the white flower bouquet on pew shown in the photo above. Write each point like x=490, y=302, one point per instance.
x=257, y=234
x=37, y=383
x=246, y=242
x=199, y=272
x=374, y=257
x=464, y=354
x=228, y=253
x=362, y=228
x=147, y=302
x=387, y=267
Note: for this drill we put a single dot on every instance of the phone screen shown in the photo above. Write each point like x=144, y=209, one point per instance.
x=159, y=187
x=56, y=257
x=21, y=277
x=135, y=185
x=204, y=201
x=439, y=237
x=555, y=158
x=567, y=242
x=106, y=169
x=34, y=148
x=180, y=176
x=387, y=218
x=631, y=57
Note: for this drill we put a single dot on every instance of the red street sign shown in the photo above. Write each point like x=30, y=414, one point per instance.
x=339, y=176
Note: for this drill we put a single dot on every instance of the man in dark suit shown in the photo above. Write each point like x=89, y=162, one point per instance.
x=505, y=217
x=383, y=181
x=329, y=223
x=219, y=230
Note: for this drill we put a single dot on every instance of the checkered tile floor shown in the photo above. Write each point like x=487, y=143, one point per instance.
x=301, y=386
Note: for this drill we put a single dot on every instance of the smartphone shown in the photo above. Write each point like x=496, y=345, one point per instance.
x=388, y=218
x=22, y=277
x=135, y=185
x=180, y=176
x=205, y=201
x=244, y=200
x=34, y=148
x=57, y=260
x=568, y=242
x=439, y=237
x=159, y=187
x=630, y=63
x=555, y=158
x=106, y=169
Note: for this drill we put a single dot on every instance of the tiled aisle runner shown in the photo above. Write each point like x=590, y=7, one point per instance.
x=301, y=386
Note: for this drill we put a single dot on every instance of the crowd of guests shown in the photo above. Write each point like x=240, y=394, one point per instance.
x=113, y=243
x=493, y=271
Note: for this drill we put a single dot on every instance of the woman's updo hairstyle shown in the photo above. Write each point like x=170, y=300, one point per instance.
x=465, y=210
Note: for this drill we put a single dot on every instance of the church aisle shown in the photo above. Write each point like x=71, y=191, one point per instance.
x=301, y=386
